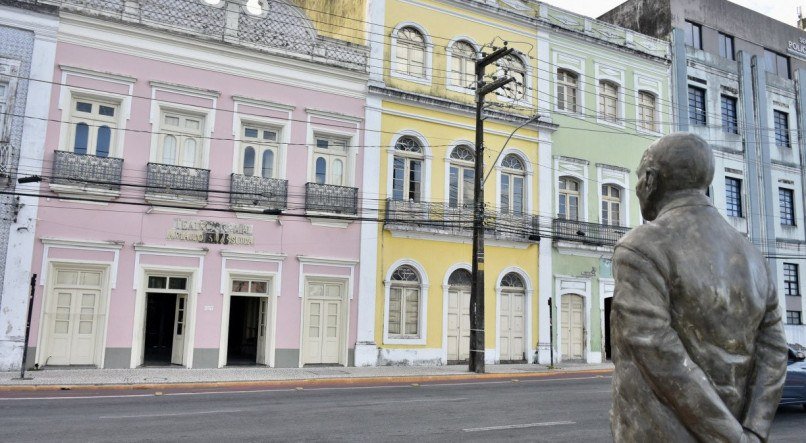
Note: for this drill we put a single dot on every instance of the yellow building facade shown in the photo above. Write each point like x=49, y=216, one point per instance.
x=421, y=126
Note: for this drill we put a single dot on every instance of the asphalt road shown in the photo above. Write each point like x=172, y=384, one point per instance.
x=542, y=409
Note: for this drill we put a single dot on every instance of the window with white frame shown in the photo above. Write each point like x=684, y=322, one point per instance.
x=180, y=139
x=512, y=66
x=567, y=90
x=259, y=151
x=611, y=205
x=407, y=171
x=410, y=52
x=330, y=161
x=3, y=107
x=461, y=179
x=93, y=125
x=404, y=303
x=513, y=176
x=646, y=111
x=253, y=287
x=608, y=101
x=568, y=204
x=463, y=65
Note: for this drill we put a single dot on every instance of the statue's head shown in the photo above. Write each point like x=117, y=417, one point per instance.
x=676, y=162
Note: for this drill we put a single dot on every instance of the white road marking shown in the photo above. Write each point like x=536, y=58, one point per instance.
x=177, y=414
x=521, y=426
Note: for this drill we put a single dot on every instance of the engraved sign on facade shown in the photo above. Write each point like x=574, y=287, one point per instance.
x=798, y=48
x=204, y=231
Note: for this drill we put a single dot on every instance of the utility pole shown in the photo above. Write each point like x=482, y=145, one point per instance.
x=477, y=283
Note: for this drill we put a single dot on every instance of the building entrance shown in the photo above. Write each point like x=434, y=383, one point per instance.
x=246, y=340
x=165, y=322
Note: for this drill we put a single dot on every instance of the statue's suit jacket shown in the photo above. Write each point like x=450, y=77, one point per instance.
x=699, y=348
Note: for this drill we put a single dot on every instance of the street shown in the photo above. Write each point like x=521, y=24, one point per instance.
x=538, y=409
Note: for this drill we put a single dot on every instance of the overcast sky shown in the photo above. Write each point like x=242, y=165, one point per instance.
x=781, y=10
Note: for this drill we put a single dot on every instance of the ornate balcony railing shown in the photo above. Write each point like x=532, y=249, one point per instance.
x=588, y=233
x=259, y=192
x=441, y=218
x=87, y=171
x=177, y=181
x=281, y=27
x=331, y=198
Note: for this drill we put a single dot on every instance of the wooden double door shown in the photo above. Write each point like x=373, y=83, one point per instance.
x=324, y=322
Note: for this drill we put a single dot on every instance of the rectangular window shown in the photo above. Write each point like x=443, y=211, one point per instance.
x=404, y=315
x=781, y=123
x=730, y=122
x=696, y=106
x=4, y=117
x=646, y=111
x=776, y=63
x=608, y=101
x=791, y=280
x=786, y=198
x=258, y=151
x=726, y=46
x=93, y=125
x=793, y=318
x=330, y=161
x=180, y=139
x=733, y=197
x=693, y=34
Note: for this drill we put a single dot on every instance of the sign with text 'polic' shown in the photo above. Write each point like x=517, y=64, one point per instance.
x=204, y=231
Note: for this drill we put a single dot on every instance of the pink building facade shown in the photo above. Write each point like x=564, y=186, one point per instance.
x=200, y=190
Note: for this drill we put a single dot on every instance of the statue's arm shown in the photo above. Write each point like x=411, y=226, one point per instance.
x=642, y=331
x=764, y=390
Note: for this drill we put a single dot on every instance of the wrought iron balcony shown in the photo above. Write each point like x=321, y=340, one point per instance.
x=331, y=198
x=441, y=218
x=258, y=192
x=86, y=171
x=588, y=233
x=177, y=181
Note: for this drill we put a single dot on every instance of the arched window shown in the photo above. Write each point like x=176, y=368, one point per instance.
x=81, y=139
x=611, y=205
x=512, y=66
x=267, y=171
x=461, y=178
x=181, y=136
x=404, y=303
x=569, y=199
x=567, y=90
x=513, y=175
x=190, y=153
x=407, y=174
x=460, y=277
x=321, y=170
x=463, y=65
x=169, y=150
x=646, y=111
x=512, y=281
x=249, y=161
x=103, y=141
x=330, y=156
x=410, y=52
x=608, y=101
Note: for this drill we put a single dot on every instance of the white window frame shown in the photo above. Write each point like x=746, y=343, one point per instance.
x=422, y=322
x=576, y=65
x=610, y=201
x=260, y=146
x=650, y=84
x=450, y=163
x=181, y=134
x=425, y=193
x=449, y=54
x=512, y=173
x=568, y=195
x=528, y=85
x=607, y=73
x=273, y=294
x=5, y=110
x=528, y=172
x=641, y=114
x=330, y=157
x=566, y=87
x=9, y=74
x=428, y=55
x=620, y=178
x=280, y=124
x=94, y=120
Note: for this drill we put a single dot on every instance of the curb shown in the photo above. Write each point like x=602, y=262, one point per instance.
x=302, y=383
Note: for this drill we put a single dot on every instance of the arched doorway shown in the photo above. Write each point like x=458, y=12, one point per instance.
x=572, y=327
x=458, y=316
x=512, y=319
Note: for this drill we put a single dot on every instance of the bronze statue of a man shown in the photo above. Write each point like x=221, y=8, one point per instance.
x=699, y=347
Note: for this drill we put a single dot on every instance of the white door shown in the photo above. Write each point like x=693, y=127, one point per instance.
x=73, y=331
x=572, y=332
x=513, y=326
x=261, y=331
x=180, y=318
x=458, y=324
x=322, y=329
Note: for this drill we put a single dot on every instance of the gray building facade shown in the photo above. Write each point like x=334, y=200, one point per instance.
x=738, y=81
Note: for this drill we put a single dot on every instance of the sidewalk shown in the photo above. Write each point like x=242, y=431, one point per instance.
x=180, y=377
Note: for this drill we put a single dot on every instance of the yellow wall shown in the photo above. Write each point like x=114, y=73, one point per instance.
x=339, y=19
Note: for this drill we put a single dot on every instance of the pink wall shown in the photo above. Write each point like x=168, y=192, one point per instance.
x=134, y=223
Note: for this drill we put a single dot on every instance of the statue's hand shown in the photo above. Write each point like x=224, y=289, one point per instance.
x=750, y=437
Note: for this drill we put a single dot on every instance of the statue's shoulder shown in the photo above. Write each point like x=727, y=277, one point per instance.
x=642, y=238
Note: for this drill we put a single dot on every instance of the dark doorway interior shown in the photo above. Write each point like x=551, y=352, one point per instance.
x=160, y=313
x=607, y=302
x=243, y=328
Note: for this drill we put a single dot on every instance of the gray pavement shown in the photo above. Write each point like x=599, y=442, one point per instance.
x=539, y=409
x=52, y=376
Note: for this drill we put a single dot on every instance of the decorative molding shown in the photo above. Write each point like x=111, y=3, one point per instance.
x=263, y=103
x=170, y=250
